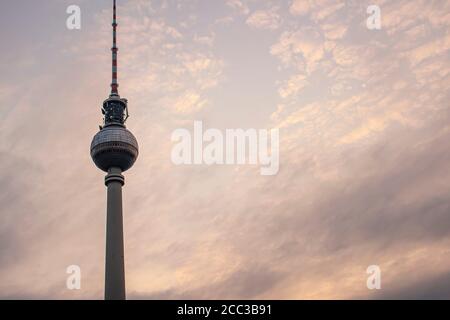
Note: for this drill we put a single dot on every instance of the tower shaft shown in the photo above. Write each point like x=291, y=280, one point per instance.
x=114, y=265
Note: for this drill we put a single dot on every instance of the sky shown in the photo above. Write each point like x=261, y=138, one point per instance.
x=364, y=126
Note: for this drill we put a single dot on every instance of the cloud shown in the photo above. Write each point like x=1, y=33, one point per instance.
x=189, y=102
x=248, y=283
x=432, y=288
x=264, y=19
x=299, y=7
x=318, y=10
x=302, y=49
x=239, y=6
x=224, y=20
x=205, y=39
x=293, y=86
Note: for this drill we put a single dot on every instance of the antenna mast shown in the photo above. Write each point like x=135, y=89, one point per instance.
x=114, y=49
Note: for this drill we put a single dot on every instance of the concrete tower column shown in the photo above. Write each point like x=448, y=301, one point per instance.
x=114, y=268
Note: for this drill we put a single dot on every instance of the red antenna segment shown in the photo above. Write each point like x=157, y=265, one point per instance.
x=114, y=49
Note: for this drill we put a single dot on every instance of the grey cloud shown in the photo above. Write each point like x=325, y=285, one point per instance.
x=435, y=287
x=246, y=283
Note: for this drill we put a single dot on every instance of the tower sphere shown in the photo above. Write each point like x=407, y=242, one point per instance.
x=114, y=146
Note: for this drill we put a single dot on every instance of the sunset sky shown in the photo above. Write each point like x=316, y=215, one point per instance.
x=364, y=119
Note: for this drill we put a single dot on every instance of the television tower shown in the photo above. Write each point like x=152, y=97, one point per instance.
x=114, y=150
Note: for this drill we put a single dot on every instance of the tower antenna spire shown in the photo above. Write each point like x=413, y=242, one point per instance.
x=114, y=49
